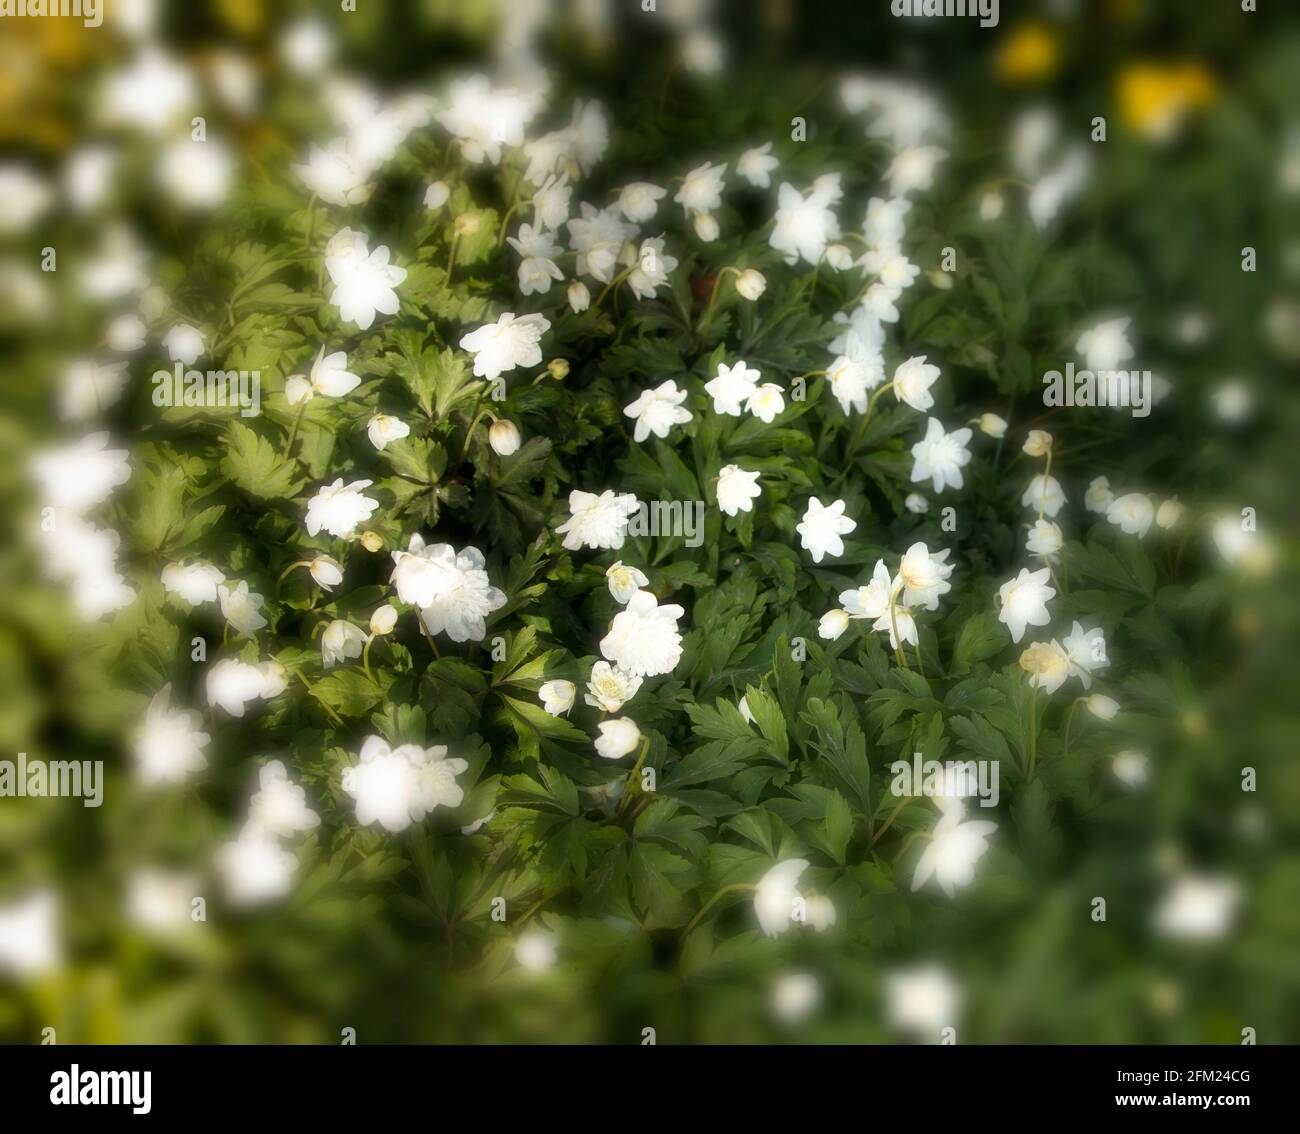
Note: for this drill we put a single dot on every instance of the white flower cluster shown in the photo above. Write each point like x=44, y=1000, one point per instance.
x=255, y=867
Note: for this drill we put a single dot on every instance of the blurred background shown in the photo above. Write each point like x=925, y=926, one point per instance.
x=1201, y=161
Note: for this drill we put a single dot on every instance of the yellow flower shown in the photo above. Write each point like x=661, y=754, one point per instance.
x=1154, y=97
x=1029, y=55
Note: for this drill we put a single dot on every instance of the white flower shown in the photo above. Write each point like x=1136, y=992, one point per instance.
x=899, y=623
x=1044, y=495
x=509, y=342
x=535, y=950
x=1099, y=495
x=1133, y=513
x=1198, y=907
x=437, y=195
x=939, y=456
x=307, y=45
x=183, y=343
x=557, y=696
x=579, y=296
x=833, y=624
x=992, y=426
x=231, y=684
x=279, y=807
x=254, y=868
x=775, y=896
x=1130, y=768
x=1038, y=443
x=89, y=388
x=1087, y=652
x=195, y=582
x=381, y=429
x=821, y=528
x=751, y=283
x=29, y=935
x=341, y=641
x=1106, y=345
x=795, y=997
x=486, y=119
x=338, y=508
x=624, y=581
x=364, y=282
x=383, y=620
x=732, y=387
x=275, y=680
x=152, y=93
x=912, y=382
x=1243, y=547
x=923, y=1000
x=896, y=272
x=913, y=168
x=756, y=165
x=766, y=402
x=330, y=375
x=737, y=489
x=617, y=738
x=954, y=848
x=1233, y=401
x=396, y=787
x=551, y=202
x=1102, y=707
x=701, y=190
x=702, y=52
x=335, y=175
x=839, y=257
x=883, y=225
x=1170, y=513
x=503, y=437
x=991, y=205
x=652, y=268
x=1045, y=540
x=125, y=333
x=538, y=269
x=168, y=746
x=643, y=638
x=242, y=608
x=923, y=576
x=26, y=198
x=657, y=411
x=1024, y=601
x=851, y=377
x=597, y=522
x=451, y=589
x=917, y=504
x=160, y=901
x=804, y=225
x=598, y=236
x=1047, y=664
x=639, y=201
x=609, y=687
x=871, y=600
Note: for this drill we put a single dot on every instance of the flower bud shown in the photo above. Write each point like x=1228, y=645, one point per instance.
x=991, y=425
x=751, y=283
x=467, y=224
x=436, y=195
x=706, y=227
x=383, y=620
x=372, y=541
x=617, y=738
x=503, y=436
x=125, y=333
x=839, y=257
x=1038, y=443
x=1102, y=706
x=579, y=296
x=991, y=205
x=326, y=572
x=558, y=368
x=1169, y=513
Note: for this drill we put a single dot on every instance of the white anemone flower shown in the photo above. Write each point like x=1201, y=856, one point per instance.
x=821, y=528
x=643, y=638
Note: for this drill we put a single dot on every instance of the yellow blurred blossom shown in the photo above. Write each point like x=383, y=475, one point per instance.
x=1154, y=98
x=1030, y=54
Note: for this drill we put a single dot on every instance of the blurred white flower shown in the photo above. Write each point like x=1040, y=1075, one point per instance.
x=1087, y=651
x=923, y=1000
x=80, y=475
x=160, y=901
x=1106, y=345
x=1047, y=664
x=551, y=202
x=89, y=388
x=335, y=175
x=254, y=868
x=535, y=950
x=1045, y=540
x=795, y=997
x=364, y=281
x=766, y=402
x=183, y=343
x=279, y=806
x=991, y=425
x=487, y=119
x=196, y=174
x=341, y=641
x=701, y=190
x=27, y=198
x=1102, y=707
x=307, y=45
x=775, y=896
x=437, y=195
x=652, y=267
x=923, y=576
x=168, y=746
x=88, y=176
x=1133, y=513
x=125, y=333
x=624, y=581
x=152, y=93
x=804, y=224
x=451, y=588
x=242, y=608
x=756, y=165
x=912, y=381
x=1024, y=601
x=956, y=845
x=1099, y=495
x=381, y=429
x=396, y=787
x=30, y=939
x=194, y=582
x=1044, y=495
x=917, y=504
x=639, y=200
x=913, y=168
x=1131, y=768
x=1198, y=907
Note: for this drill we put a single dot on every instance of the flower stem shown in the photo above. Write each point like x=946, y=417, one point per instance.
x=713, y=296
x=889, y=819
x=293, y=427
x=618, y=279
x=731, y=889
x=427, y=636
x=365, y=658
x=858, y=432
x=632, y=775
x=1033, y=731
x=451, y=254
x=1069, y=720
